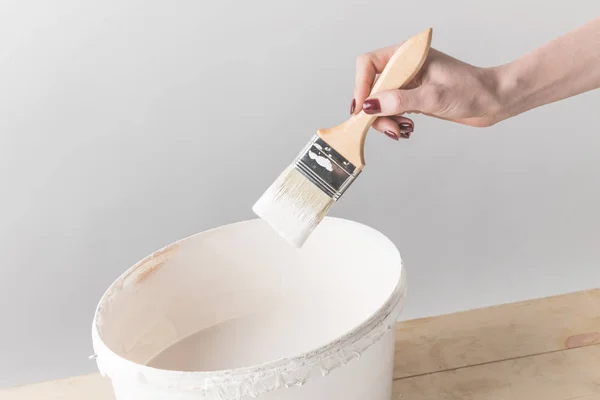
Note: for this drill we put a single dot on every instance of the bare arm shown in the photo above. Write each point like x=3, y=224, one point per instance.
x=565, y=67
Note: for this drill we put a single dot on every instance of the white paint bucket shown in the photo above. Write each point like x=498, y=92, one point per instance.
x=235, y=312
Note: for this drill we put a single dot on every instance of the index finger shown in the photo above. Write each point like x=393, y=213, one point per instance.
x=368, y=66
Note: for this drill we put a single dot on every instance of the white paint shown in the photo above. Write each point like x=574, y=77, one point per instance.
x=236, y=311
x=322, y=161
x=289, y=326
x=293, y=206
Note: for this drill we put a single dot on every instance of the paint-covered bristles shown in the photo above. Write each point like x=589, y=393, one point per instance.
x=293, y=206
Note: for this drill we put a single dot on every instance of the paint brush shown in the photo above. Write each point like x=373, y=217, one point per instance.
x=305, y=191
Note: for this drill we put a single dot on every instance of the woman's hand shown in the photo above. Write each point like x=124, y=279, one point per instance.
x=450, y=89
x=444, y=88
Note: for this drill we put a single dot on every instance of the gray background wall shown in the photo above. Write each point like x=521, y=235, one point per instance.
x=115, y=117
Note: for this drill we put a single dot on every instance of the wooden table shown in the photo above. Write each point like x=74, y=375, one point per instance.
x=545, y=349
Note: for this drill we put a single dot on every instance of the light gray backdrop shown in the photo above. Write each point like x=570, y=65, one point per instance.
x=126, y=125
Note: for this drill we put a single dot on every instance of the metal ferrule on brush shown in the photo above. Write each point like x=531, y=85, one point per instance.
x=326, y=168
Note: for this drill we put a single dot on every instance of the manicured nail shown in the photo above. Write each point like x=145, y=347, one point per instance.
x=371, y=106
x=406, y=129
x=352, y=106
x=391, y=135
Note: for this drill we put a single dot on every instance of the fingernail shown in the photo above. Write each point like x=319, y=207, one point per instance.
x=406, y=129
x=391, y=135
x=371, y=106
x=352, y=106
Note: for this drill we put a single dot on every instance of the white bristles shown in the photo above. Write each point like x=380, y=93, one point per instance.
x=293, y=206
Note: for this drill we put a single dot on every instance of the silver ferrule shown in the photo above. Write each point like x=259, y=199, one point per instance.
x=326, y=168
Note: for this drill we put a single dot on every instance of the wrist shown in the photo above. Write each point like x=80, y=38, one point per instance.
x=514, y=89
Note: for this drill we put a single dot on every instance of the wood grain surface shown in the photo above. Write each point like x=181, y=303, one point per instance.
x=497, y=333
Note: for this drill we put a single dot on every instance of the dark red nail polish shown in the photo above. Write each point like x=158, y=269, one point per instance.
x=352, y=106
x=371, y=106
x=406, y=129
x=391, y=135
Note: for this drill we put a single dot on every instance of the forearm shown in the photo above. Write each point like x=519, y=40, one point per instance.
x=565, y=67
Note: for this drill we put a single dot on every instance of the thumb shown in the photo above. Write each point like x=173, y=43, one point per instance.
x=393, y=102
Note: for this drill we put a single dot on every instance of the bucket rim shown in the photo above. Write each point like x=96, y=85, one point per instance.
x=263, y=377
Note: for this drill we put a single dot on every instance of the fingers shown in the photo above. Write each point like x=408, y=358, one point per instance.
x=388, y=103
x=393, y=102
x=368, y=65
x=395, y=127
x=366, y=71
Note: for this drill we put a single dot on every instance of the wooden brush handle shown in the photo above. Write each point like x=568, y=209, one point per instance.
x=348, y=139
